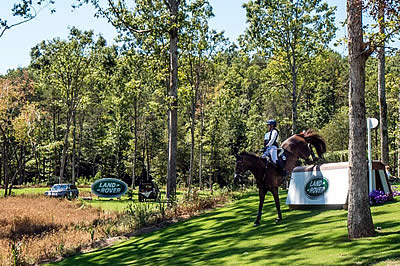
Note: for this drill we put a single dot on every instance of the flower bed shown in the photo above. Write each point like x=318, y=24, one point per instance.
x=396, y=191
x=379, y=197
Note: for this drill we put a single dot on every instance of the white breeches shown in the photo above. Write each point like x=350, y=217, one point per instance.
x=273, y=153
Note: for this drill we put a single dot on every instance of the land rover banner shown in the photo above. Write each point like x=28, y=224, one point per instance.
x=109, y=188
x=319, y=185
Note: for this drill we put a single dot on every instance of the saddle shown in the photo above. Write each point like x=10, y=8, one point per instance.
x=280, y=163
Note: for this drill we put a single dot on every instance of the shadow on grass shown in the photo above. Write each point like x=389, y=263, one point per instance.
x=226, y=236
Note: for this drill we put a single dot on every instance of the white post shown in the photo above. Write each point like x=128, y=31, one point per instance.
x=371, y=123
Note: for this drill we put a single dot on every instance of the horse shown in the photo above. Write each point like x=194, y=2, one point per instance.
x=268, y=176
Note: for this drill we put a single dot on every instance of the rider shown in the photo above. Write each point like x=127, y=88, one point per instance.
x=271, y=141
x=271, y=145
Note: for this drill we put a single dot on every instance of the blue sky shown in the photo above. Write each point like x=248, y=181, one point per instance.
x=15, y=45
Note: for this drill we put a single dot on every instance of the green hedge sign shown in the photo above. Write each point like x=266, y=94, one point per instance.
x=109, y=188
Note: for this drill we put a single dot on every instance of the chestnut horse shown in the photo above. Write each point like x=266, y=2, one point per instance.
x=268, y=177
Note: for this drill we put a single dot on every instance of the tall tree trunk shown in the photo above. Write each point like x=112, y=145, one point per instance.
x=5, y=167
x=398, y=140
x=37, y=159
x=78, y=163
x=173, y=94
x=73, y=146
x=44, y=161
x=148, y=165
x=18, y=170
x=382, y=90
x=191, y=163
x=294, y=95
x=135, y=132
x=23, y=172
x=201, y=143
x=192, y=129
x=1, y=170
x=65, y=149
x=359, y=219
x=213, y=155
x=54, y=140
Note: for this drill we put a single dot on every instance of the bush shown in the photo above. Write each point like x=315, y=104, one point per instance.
x=336, y=156
x=141, y=214
x=82, y=181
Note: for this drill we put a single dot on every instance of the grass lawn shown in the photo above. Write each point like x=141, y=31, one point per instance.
x=119, y=204
x=29, y=191
x=110, y=204
x=103, y=203
x=227, y=236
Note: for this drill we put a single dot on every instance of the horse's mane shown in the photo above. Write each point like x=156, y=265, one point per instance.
x=316, y=140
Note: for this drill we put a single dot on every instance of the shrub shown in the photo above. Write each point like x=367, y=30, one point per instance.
x=82, y=181
x=141, y=214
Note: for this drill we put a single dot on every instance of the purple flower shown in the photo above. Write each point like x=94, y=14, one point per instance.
x=396, y=191
x=378, y=197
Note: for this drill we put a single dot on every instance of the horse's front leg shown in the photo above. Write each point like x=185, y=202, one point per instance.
x=261, y=195
x=277, y=204
x=314, y=158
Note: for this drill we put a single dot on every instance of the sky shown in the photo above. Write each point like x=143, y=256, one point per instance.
x=16, y=43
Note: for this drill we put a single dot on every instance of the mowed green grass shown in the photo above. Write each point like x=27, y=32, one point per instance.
x=226, y=236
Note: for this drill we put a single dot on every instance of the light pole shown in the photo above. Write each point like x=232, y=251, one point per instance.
x=371, y=123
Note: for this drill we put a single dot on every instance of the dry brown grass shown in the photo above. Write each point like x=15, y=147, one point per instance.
x=37, y=228
x=34, y=228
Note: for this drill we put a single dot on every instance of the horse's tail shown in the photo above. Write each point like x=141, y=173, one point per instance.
x=316, y=140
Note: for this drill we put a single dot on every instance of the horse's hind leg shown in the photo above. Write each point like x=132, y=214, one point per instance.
x=277, y=204
x=261, y=195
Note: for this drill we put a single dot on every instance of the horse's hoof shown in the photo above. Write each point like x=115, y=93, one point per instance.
x=256, y=223
x=278, y=220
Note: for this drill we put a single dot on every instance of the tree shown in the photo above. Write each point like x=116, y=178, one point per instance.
x=145, y=24
x=198, y=44
x=291, y=32
x=26, y=10
x=154, y=28
x=359, y=219
x=382, y=88
x=393, y=97
x=173, y=6
x=359, y=216
x=386, y=14
x=65, y=66
x=17, y=118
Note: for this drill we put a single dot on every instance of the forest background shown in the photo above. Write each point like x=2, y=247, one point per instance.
x=84, y=110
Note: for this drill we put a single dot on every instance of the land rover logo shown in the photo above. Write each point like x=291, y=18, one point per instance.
x=109, y=188
x=316, y=187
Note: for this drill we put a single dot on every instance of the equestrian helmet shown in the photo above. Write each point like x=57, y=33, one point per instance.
x=271, y=122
